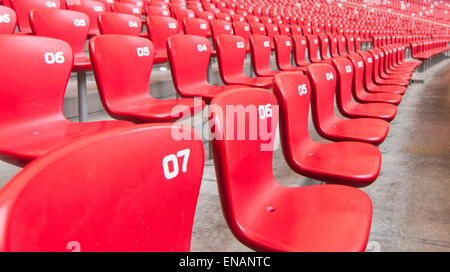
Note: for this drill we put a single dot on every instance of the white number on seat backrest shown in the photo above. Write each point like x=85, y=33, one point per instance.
x=133, y=24
x=5, y=18
x=79, y=22
x=264, y=111
x=240, y=45
x=135, y=10
x=50, y=4
x=201, y=47
x=173, y=159
x=348, y=69
x=51, y=58
x=302, y=89
x=172, y=25
x=203, y=26
x=329, y=76
x=143, y=51
x=98, y=8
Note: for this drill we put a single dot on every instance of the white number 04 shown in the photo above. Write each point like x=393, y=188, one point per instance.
x=173, y=159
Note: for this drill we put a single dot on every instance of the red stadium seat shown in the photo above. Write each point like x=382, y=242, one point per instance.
x=261, y=51
x=258, y=29
x=341, y=42
x=360, y=93
x=129, y=193
x=160, y=28
x=126, y=97
x=347, y=106
x=231, y=53
x=8, y=20
x=156, y=11
x=196, y=26
x=118, y=23
x=313, y=48
x=260, y=211
x=32, y=120
x=127, y=8
x=376, y=73
x=219, y=27
x=324, y=81
x=324, y=43
x=300, y=46
x=191, y=80
x=92, y=8
x=242, y=29
x=333, y=45
x=23, y=8
x=283, y=52
x=350, y=163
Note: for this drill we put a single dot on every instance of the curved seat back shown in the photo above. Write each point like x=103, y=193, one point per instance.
x=119, y=23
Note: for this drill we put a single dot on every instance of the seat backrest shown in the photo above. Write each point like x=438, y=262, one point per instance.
x=296, y=30
x=219, y=27
x=324, y=45
x=313, y=46
x=272, y=30
x=119, y=23
x=258, y=29
x=323, y=80
x=242, y=29
x=67, y=25
x=183, y=51
x=261, y=51
x=244, y=124
x=127, y=8
x=350, y=43
x=92, y=8
x=23, y=8
x=368, y=68
x=231, y=53
x=160, y=28
x=333, y=45
x=130, y=194
x=196, y=26
x=344, y=71
x=156, y=11
x=206, y=15
x=300, y=45
x=358, y=76
x=283, y=51
x=8, y=20
x=108, y=4
x=34, y=72
x=341, y=45
x=180, y=14
x=223, y=16
x=128, y=56
x=285, y=30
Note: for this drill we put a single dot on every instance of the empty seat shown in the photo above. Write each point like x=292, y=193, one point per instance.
x=360, y=93
x=127, y=8
x=377, y=79
x=242, y=29
x=219, y=27
x=341, y=45
x=260, y=212
x=261, y=51
x=189, y=57
x=128, y=193
x=33, y=73
x=258, y=29
x=8, y=20
x=23, y=8
x=300, y=46
x=231, y=53
x=351, y=163
x=350, y=108
x=196, y=26
x=324, y=43
x=93, y=9
x=121, y=24
x=324, y=80
x=313, y=48
x=157, y=11
x=127, y=97
x=283, y=53
x=160, y=28
x=333, y=45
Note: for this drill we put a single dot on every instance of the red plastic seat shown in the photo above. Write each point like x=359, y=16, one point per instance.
x=67, y=25
x=160, y=28
x=296, y=30
x=127, y=8
x=156, y=11
x=243, y=29
x=9, y=20
x=285, y=30
x=121, y=24
x=231, y=53
x=376, y=73
x=341, y=45
x=31, y=102
x=196, y=26
x=300, y=46
x=347, y=106
x=219, y=27
x=360, y=93
x=108, y=4
x=283, y=53
x=350, y=163
x=261, y=51
x=93, y=9
x=369, y=84
x=189, y=57
x=258, y=29
x=23, y=8
x=126, y=97
x=125, y=195
x=260, y=212
x=313, y=48
x=180, y=14
x=324, y=80
x=324, y=43
x=333, y=45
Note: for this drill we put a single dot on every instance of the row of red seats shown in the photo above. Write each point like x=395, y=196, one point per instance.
x=351, y=162
x=427, y=48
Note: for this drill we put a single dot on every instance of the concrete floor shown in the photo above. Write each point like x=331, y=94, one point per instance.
x=411, y=197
